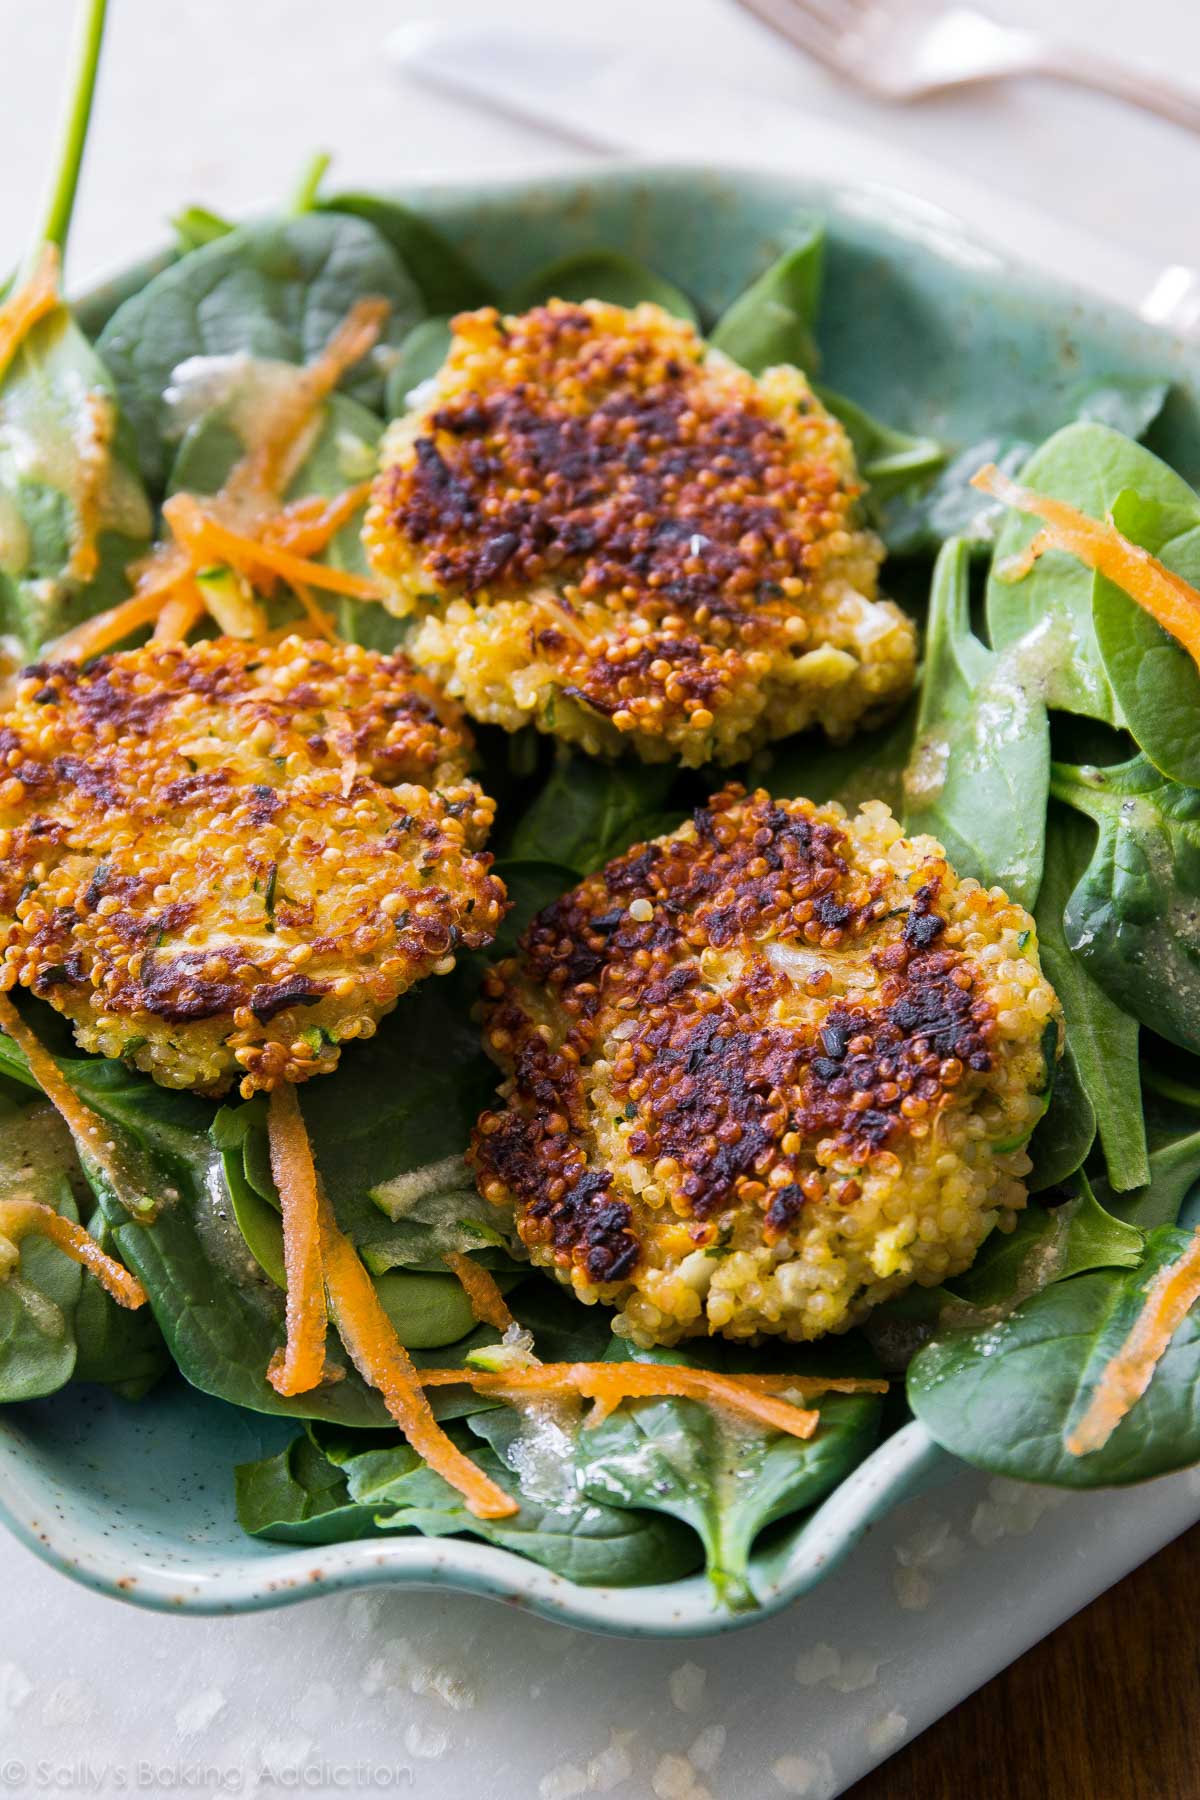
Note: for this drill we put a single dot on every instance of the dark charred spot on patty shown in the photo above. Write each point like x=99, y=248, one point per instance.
x=611, y=467
x=275, y=997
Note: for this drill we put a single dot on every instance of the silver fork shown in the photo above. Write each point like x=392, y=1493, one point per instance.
x=908, y=49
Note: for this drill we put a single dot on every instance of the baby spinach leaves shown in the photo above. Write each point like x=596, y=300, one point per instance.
x=73, y=512
x=870, y=767
x=916, y=521
x=39, y=1286
x=1134, y=917
x=774, y=320
x=1098, y=1086
x=888, y=460
x=1005, y=1396
x=1155, y=680
x=980, y=767
x=725, y=1480
x=447, y=281
x=275, y=290
x=356, y=1487
x=600, y=274
x=589, y=811
x=421, y=355
x=1090, y=466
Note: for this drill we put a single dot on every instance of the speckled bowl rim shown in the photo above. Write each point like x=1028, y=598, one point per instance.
x=906, y=1463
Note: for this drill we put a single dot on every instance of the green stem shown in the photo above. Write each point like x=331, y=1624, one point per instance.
x=60, y=201
x=304, y=195
x=1170, y=1089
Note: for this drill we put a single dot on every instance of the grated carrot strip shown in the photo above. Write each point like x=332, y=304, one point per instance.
x=302, y=1364
x=107, y=628
x=28, y=303
x=320, y=621
x=380, y=1358
x=1100, y=546
x=208, y=540
x=1169, y=1299
x=85, y=1126
x=487, y=1302
x=305, y=526
x=22, y=1218
x=182, y=611
x=607, y=1384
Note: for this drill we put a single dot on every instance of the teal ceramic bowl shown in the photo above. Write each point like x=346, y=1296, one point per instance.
x=925, y=326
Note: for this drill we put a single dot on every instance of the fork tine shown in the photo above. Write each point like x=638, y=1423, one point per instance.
x=801, y=23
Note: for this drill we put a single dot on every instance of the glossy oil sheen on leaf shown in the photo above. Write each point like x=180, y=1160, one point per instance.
x=725, y=1478
x=68, y=479
x=277, y=291
x=1005, y=1396
x=980, y=767
x=1089, y=466
x=1134, y=917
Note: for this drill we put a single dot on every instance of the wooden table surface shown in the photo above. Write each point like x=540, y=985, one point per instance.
x=1107, y=1708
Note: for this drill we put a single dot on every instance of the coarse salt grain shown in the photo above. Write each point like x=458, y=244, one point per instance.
x=674, y=1779
x=686, y=1687
x=563, y=1783
x=887, y=1733
x=705, y=1752
x=199, y=1711
x=810, y=1777
x=428, y=1741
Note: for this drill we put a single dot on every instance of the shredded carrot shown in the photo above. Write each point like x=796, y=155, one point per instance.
x=88, y=1130
x=301, y=1366
x=1169, y=1299
x=265, y=471
x=487, y=1302
x=28, y=303
x=182, y=610
x=607, y=1384
x=108, y=628
x=381, y=1359
x=305, y=526
x=21, y=1218
x=320, y=621
x=1100, y=546
x=207, y=540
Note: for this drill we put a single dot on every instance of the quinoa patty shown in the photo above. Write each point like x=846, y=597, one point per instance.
x=766, y=1071
x=226, y=859
x=612, y=531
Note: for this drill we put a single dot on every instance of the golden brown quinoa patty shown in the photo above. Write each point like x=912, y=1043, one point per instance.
x=614, y=532
x=226, y=859
x=766, y=1071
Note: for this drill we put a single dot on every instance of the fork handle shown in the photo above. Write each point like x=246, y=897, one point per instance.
x=1152, y=92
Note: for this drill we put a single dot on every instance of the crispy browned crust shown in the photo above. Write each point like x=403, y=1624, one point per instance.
x=238, y=854
x=657, y=965
x=667, y=522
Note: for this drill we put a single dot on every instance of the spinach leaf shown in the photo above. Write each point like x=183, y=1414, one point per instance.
x=1133, y=918
x=298, y=1496
x=276, y=290
x=599, y=274
x=1005, y=1396
x=122, y=1349
x=68, y=480
x=222, y=1321
x=1173, y=1171
x=870, y=767
x=1099, y=1086
x=888, y=460
x=588, y=1541
x=589, y=812
x=774, y=321
x=447, y=281
x=1048, y=1245
x=1090, y=466
x=196, y=225
x=39, y=1287
x=916, y=522
x=420, y=357
x=980, y=767
x=1154, y=678
x=727, y=1481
